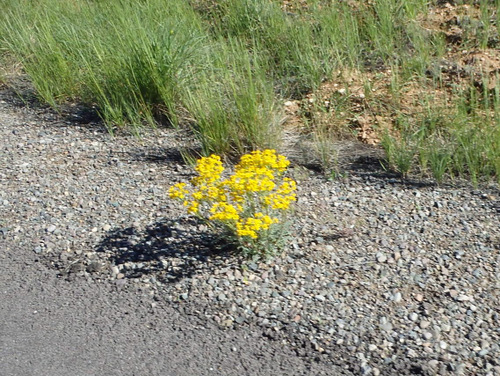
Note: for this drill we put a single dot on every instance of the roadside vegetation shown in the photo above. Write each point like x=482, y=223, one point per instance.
x=418, y=77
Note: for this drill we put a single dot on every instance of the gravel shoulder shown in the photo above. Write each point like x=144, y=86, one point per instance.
x=63, y=187
x=102, y=274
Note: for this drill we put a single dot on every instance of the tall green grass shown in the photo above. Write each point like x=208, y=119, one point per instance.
x=141, y=61
x=222, y=67
x=58, y=40
x=459, y=139
x=232, y=103
x=128, y=58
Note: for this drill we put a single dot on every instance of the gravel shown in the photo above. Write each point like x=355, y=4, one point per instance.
x=381, y=276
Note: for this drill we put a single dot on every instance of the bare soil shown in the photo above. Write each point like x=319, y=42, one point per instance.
x=362, y=105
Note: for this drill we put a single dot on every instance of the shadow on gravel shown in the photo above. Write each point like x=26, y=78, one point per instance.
x=21, y=94
x=167, y=155
x=372, y=166
x=171, y=250
x=158, y=155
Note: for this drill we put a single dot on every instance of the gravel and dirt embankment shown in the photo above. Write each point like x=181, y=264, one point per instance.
x=102, y=275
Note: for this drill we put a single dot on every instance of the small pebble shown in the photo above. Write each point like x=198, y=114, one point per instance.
x=397, y=297
x=381, y=258
x=115, y=270
x=483, y=352
x=445, y=327
x=433, y=363
x=424, y=324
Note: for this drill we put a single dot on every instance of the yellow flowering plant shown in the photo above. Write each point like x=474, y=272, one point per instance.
x=251, y=204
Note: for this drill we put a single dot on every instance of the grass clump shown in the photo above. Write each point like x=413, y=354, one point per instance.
x=128, y=58
x=138, y=62
x=232, y=103
x=461, y=139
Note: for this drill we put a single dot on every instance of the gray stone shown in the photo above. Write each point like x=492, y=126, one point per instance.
x=424, y=324
x=94, y=267
x=381, y=257
x=397, y=297
x=321, y=298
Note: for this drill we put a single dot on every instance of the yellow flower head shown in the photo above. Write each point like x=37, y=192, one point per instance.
x=178, y=191
x=242, y=230
x=266, y=159
x=209, y=170
x=224, y=212
x=267, y=221
x=193, y=207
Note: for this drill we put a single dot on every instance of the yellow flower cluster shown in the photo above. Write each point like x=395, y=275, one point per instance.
x=251, y=226
x=224, y=212
x=209, y=170
x=284, y=196
x=178, y=191
x=256, y=172
x=266, y=159
x=249, y=201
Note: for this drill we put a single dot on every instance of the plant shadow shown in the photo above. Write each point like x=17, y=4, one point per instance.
x=166, y=155
x=169, y=250
x=157, y=155
x=22, y=94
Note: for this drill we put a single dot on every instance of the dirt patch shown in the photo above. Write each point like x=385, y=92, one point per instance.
x=363, y=104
